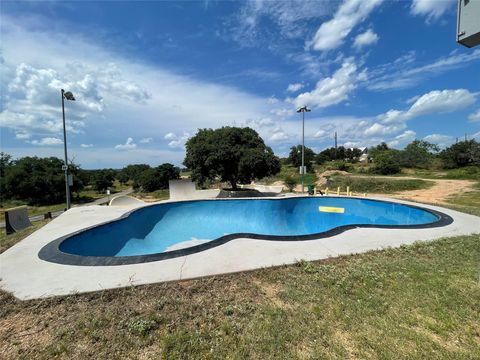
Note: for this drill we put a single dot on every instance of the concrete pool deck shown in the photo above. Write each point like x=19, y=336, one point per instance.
x=26, y=276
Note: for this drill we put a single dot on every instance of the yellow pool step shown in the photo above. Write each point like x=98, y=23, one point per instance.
x=331, y=209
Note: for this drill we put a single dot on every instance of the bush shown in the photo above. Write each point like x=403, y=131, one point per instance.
x=339, y=165
x=461, y=154
x=387, y=162
x=290, y=182
x=153, y=179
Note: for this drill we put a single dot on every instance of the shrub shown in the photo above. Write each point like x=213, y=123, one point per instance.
x=290, y=182
x=387, y=162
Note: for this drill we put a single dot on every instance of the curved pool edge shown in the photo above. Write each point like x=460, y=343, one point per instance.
x=52, y=253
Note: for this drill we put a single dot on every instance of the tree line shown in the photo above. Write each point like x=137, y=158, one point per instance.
x=418, y=154
x=41, y=181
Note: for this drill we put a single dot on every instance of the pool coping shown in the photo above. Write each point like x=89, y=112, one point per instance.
x=26, y=276
x=52, y=253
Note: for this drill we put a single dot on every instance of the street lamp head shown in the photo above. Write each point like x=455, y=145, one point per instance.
x=68, y=95
x=303, y=109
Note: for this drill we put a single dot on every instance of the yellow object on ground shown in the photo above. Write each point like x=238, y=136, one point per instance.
x=331, y=209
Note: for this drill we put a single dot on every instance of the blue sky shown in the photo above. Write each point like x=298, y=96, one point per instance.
x=147, y=75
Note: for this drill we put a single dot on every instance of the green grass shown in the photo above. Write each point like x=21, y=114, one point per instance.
x=414, y=302
x=377, y=185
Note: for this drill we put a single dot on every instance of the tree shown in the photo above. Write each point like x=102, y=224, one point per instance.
x=103, y=179
x=418, y=154
x=132, y=172
x=235, y=155
x=387, y=162
x=295, y=157
x=5, y=163
x=35, y=180
x=461, y=154
x=290, y=182
x=157, y=178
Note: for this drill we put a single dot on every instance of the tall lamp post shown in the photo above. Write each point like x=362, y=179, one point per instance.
x=69, y=96
x=303, y=110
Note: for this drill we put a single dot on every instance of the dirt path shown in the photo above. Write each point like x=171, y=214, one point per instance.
x=438, y=193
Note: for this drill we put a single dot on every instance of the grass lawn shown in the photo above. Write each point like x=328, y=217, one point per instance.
x=377, y=185
x=415, y=302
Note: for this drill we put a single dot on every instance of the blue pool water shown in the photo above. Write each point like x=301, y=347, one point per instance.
x=154, y=229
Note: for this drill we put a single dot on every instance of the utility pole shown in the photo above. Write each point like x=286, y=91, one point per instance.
x=335, y=145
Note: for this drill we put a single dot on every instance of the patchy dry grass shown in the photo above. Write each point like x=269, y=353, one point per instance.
x=7, y=241
x=377, y=185
x=414, y=302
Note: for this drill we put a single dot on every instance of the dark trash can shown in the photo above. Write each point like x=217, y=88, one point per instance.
x=311, y=189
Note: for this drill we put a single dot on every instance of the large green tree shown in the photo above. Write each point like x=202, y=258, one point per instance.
x=236, y=155
x=461, y=154
x=295, y=157
x=157, y=178
x=37, y=180
x=418, y=154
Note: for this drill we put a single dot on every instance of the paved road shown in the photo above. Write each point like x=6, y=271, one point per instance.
x=100, y=201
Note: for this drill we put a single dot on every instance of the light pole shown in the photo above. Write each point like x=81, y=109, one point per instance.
x=69, y=96
x=303, y=110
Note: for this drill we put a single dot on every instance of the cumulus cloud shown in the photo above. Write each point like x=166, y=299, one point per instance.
x=440, y=140
x=279, y=135
x=294, y=87
x=404, y=138
x=436, y=101
x=474, y=116
x=147, y=140
x=86, y=145
x=48, y=141
x=432, y=9
x=333, y=89
x=331, y=34
x=364, y=39
x=177, y=141
x=129, y=145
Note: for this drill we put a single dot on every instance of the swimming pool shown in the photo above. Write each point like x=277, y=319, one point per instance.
x=180, y=228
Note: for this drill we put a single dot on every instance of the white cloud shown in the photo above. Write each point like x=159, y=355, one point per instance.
x=22, y=136
x=294, y=87
x=474, y=116
x=367, y=38
x=332, y=33
x=129, y=145
x=279, y=135
x=405, y=72
x=272, y=100
x=403, y=139
x=287, y=17
x=147, y=140
x=476, y=136
x=47, y=141
x=440, y=140
x=432, y=9
x=436, y=101
x=177, y=141
x=86, y=145
x=334, y=89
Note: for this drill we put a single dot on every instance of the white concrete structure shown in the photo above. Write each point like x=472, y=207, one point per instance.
x=185, y=189
x=125, y=200
x=24, y=275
